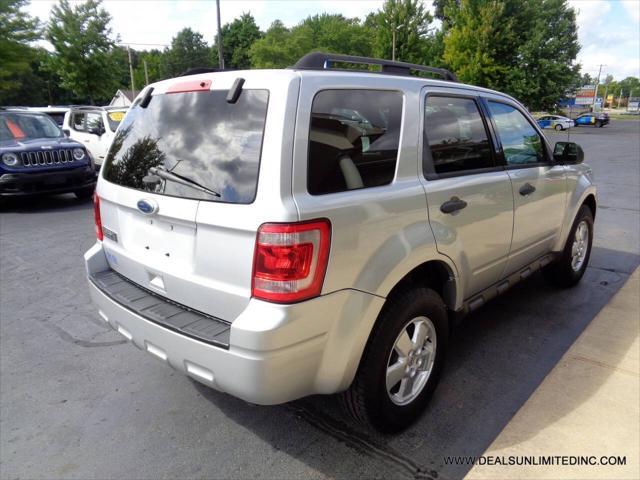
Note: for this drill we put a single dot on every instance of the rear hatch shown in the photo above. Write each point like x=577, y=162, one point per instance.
x=179, y=186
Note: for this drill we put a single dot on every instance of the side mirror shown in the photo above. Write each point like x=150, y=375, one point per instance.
x=97, y=131
x=67, y=132
x=569, y=153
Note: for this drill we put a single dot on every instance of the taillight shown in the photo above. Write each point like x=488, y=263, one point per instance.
x=96, y=216
x=290, y=260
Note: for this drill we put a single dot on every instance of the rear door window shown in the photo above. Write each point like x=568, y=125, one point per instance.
x=456, y=135
x=206, y=144
x=353, y=140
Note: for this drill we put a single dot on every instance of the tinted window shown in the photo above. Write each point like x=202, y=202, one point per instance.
x=57, y=117
x=520, y=142
x=197, y=136
x=353, y=141
x=456, y=135
x=78, y=122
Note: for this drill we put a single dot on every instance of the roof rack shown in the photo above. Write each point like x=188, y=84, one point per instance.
x=324, y=61
x=199, y=70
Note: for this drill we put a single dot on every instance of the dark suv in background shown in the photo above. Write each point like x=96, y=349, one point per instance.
x=37, y=158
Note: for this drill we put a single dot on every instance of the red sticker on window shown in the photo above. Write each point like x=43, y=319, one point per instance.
x=15, y=130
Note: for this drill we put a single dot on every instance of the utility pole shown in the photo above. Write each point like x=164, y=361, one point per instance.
x=146, y=72
x=619, y=98
x=394, y=30
x=133, y=85
x=595, y=92
x=220, y=53
x=393, y=44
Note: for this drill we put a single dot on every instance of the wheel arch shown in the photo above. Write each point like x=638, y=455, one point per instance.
x=590, y=201
x=435, y=274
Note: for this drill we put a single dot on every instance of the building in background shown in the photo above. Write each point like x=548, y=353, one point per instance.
x=122, y=98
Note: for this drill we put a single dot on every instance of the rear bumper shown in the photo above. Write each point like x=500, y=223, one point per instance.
x=58, y=181
x=276, y=353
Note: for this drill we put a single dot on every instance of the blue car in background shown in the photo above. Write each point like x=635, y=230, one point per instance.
x=37, y=158
x=599, y=119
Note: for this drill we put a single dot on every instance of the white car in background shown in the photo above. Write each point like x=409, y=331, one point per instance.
x=556, y=122
x=94, y=127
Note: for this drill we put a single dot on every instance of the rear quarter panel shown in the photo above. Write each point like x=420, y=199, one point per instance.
x=379, y=234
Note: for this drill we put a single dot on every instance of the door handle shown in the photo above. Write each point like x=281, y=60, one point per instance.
x=527, y=189
x=453, y=205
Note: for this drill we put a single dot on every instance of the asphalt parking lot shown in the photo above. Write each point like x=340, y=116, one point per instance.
x=76, y=401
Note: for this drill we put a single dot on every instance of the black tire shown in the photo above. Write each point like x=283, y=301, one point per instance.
x=367, y=400
x=84, y=194
x=601, y=124
x=598, y=124
x=558, y=128
x=561, y=273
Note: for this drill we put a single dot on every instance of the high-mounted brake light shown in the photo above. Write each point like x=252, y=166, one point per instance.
x=96, y=216
x=190, y=86
x=290, y=260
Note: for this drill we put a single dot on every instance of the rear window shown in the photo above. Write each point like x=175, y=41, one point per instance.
x=204, y=143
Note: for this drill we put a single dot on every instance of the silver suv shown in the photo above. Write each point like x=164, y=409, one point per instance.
x=282, y=233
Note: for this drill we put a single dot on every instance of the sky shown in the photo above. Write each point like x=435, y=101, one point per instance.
x=608, y=30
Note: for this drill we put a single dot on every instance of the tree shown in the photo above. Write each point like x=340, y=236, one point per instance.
x=477, y=26
x=188, y=50
x=524, y=48
x=17, y=30
x=273, y=50
x=413, y=33
x=586, y=79
x=237, y=38
x=82, y=56
x=545, y=68
x=156, y=67
x=281, y=47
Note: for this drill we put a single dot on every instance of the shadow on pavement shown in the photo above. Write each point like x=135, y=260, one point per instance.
x=42, y=203
x=498, y=357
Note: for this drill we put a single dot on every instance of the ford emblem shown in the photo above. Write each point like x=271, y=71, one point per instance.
x=148, y=207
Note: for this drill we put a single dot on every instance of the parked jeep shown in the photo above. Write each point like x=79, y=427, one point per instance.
x=37, y=158
x=94, y=127
x=281, y=233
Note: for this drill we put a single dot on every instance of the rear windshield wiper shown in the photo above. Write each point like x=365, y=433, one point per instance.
x=174, y=177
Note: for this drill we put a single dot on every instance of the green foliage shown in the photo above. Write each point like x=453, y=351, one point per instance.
x=82, y=56
x=273, y=50
x=17, y=30
x=156, y=68
x=414, y=38
x=524, y=48
x=281, y=47
x=188, y=50
x=237, y=38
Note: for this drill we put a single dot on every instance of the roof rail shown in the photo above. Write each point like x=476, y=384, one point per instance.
x=323, y=61
x=199, y=70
